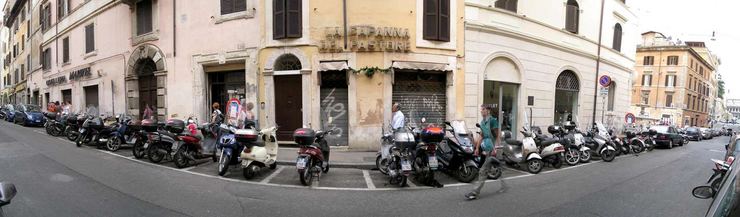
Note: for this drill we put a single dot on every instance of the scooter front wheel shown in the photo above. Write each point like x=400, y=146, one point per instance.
x=139, y=150
x=585, y=156
x=572, y=156
x=534, y=166
x=305, y=176
x=250, y=171
x=381, y=164
x=180, y=160
x=467, y=174
x=223, y=164
x=113, y=144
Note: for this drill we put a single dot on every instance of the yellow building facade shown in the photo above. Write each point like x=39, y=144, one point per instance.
x=334, y=64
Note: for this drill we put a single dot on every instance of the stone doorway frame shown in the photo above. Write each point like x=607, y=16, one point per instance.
x=152, y=52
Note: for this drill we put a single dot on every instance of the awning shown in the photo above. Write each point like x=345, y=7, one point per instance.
x=333, y=66
x=421, y=66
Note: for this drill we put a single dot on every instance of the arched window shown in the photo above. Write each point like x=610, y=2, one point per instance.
x=287, y=62
x=571, y=16
x=509, y=5
x=567, y=88
x=617, y=43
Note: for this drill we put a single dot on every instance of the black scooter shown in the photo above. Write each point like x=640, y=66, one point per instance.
x=455, y=153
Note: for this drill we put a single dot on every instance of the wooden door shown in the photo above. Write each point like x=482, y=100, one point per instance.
x=147, y=94
x=288, y=105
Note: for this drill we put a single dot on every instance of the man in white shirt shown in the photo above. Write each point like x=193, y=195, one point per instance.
x=399, y=120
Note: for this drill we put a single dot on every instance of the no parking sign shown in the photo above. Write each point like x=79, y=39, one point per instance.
x=605, y=80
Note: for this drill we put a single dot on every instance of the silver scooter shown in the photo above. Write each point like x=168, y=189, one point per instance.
x=523, y=152
x=599, y=140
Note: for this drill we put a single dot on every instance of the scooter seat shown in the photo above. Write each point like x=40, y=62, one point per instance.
x=550, y=141
x=513, y=142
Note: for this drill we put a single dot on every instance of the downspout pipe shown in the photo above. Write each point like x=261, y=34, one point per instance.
x=598, y=62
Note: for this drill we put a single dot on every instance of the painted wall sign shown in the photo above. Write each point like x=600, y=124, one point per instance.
x=366, y=38
x=79, y=74
x=56, y=81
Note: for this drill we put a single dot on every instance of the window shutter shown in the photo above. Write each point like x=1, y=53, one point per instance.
x=431, y=19
x=571, y=18
x=89, y=38
x=444, y=20
x=666, y=80
x=278, y=19
x=240, y=5
x=65, y=50
x=227, y=6
x=617, y=43
x=143, y=17
x=294, y=18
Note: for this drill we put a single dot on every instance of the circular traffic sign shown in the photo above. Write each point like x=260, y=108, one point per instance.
x=629, y=118
x=605, y=80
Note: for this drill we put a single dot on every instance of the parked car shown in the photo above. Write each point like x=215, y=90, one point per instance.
x=694, y=133
x=29, y=115
x=668, y=136
x=10, y=109
x=716, y=132
x=706, y=133
x=726, y=201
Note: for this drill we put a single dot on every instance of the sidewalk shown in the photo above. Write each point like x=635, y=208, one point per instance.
x=339, y=158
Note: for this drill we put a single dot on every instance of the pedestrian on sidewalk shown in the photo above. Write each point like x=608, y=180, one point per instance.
x=148, y=112
x=246, y=116
x=486, y=146
x=399, y=120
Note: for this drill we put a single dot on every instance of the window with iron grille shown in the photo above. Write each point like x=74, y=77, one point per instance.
x=567, y=80
x=436, y=21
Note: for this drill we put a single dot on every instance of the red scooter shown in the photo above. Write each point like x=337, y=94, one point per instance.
x=313, y=156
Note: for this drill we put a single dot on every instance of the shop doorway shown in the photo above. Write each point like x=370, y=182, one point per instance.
x=225, y=86
x=67, y=96
x=421, y=95
x=504, y=99
x=91, y=96
x=46, y=99
x=288, y=105
x=147, y=87
x=567, y=88
x=35, y=98
x=334, y=101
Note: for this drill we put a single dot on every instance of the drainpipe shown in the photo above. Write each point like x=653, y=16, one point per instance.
x=598, y=61
x=174, y=28
x=344, y=14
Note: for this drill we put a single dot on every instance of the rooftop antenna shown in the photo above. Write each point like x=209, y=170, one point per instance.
x=713, y=36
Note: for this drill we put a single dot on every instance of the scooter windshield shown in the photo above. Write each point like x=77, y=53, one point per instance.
x=459, y=127
x=92, y=111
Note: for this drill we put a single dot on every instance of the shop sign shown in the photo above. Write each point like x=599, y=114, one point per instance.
x=20, y=87
x=56, y=81
x=80, y=73
x=364, y=38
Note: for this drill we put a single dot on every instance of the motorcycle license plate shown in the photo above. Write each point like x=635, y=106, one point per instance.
x=146, y=145
x=405, y=165
x=103, y=140
x=433, y=162
x=38, y=121
x=301, y=164
x=133, y=141
x=174, y=146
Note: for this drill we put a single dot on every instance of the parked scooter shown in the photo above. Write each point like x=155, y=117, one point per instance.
x=425, y=161
x=720, y=169
x=600, y=143
x=572, y=155
x=72, y=130
x=91, y=129
x=523, y=152
x=125, y=134
x=163, y=143
x=551, y=149
x=455, y=153
x=189, y=146
x=633, y=143
x=55, y=123
x=648, y=139
x=229, y=148
x=313, y=156
x=7, y=192
x=259, y=152
x=395, y=157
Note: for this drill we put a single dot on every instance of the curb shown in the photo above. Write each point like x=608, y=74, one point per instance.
x=363, y=166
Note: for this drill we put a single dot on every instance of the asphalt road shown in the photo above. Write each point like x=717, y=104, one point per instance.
x=54, y=178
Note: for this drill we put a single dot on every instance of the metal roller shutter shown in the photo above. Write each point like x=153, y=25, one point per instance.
x=334, y=104
x=421, y=95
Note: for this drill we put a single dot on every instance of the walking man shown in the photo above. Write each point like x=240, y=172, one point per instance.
x=399, y=120
x=485, y=146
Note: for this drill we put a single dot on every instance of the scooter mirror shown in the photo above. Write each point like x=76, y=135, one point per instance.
x=703, y=192
x=477, y=125
x=448, y=123
x=7, y=192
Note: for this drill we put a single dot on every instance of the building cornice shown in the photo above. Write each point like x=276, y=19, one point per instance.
x=471, y=25
x=676, y=48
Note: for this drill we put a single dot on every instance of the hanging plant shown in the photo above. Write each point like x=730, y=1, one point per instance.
x=370, y=71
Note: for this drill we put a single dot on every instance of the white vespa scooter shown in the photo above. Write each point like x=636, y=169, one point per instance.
x=261, y=154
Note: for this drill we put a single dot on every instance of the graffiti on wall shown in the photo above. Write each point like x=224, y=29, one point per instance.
x=333, y=111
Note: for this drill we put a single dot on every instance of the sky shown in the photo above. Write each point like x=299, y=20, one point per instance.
x=695, y=21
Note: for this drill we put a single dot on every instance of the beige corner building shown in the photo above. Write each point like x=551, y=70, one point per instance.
x=674, y=82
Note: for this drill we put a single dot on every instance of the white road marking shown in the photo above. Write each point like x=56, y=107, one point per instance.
x=188, y=168
x=273, y=175
x=368, y=180
x=65, y=140
x=411, y=184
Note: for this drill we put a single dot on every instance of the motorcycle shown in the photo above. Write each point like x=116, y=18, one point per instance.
x=633, y=143
x=258, y=154
x=229, y=148
x=90, y=131
x=7, y=192
x=551, y=149
x=189, y=147
x=455, y=153
x=55, y=123
x=720, y=169
x=648, y=139
x=163, y=143
x=425, y=160
x=149, y=128
x=128, y=133
x=572, y=153
x=313, y=155
x=72, y=130
x=600, y=143
x=395, y=157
